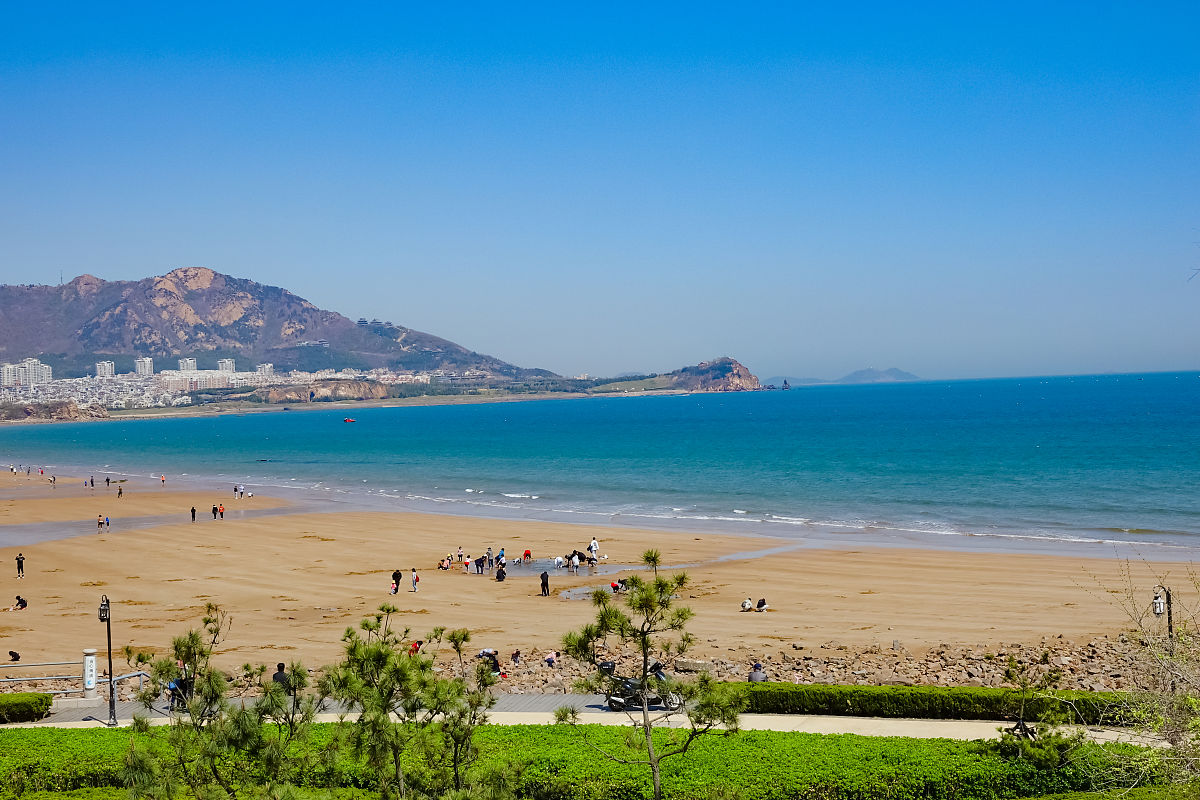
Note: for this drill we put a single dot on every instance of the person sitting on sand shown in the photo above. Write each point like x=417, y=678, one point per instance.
x=515, y=657
x=20, y=605
x=747, y=604
x=551, y=658
x=501, y=574
x=757, y=675
x=762, y=604
x=491, y=657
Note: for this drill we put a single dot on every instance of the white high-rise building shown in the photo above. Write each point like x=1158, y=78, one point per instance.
x=187, y=364
x=226, y=365
x=144, y=366
x=266, y=370
x=29, y=372
x=105, y=369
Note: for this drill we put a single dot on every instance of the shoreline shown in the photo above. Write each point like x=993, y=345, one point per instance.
x=242, y=407
x=335, y=499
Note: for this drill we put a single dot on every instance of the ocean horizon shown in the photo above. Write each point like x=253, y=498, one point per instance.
x=1077, y=464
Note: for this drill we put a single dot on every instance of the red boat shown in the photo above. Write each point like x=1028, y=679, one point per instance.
x=349, y=419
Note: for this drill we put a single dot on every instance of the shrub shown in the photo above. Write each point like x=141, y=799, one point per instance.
x=930, y=702
x=23, y=706
x=753, y=765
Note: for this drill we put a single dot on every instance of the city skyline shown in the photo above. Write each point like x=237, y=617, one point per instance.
x=957, y=193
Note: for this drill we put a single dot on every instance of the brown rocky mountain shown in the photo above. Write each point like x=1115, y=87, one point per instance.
x=194, y=311
x=721, y=375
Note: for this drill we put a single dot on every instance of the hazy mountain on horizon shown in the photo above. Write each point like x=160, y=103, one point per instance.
x=869, y=375
x=195, y=311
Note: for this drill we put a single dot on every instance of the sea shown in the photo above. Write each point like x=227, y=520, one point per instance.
x=1085, y=464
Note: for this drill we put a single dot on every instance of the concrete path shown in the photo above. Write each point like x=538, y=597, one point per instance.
x=538, y=709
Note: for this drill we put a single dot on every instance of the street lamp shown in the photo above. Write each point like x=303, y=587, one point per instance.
x=1162, y=603
x=106, y=618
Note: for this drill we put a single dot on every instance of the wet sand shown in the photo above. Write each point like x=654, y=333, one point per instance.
x=292, y=583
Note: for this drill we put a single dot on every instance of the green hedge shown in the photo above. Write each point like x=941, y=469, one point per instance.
x=930, y=702
x=1145, y=793
x=23, y=706
x=753, y=765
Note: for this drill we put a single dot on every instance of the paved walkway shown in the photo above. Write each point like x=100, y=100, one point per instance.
x=538, y=709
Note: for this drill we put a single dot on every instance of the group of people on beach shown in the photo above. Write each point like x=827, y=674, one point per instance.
x=497, y=563
x=398, y=576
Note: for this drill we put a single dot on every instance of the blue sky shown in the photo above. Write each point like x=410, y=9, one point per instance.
x=953, y=191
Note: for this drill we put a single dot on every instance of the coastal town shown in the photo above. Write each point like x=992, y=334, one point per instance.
x=31, y=381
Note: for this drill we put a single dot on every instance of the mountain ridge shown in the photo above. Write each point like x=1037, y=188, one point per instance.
x=196, y=311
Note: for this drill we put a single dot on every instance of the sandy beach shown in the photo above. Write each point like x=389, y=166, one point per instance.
x=293, y=582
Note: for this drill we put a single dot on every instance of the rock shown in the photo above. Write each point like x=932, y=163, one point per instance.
x=692, y=665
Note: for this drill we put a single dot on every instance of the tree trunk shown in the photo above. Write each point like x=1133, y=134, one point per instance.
x=649, y=731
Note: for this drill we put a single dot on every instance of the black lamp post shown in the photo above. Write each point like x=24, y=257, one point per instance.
x=106, y=618
x=1162, y=602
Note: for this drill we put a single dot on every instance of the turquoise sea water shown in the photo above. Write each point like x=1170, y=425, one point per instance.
x=991, y=464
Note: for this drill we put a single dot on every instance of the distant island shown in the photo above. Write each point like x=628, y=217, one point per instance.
x=869, y=375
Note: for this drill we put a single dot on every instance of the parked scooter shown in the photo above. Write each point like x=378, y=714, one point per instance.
x=625, y=694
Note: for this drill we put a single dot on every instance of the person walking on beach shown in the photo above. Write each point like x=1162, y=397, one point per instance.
x=20, y=566
x=92, y=482
x=214, y=512
x=545, y=584
x=193, y=513
x=221, y=509
x=396, y=576
x=415, y=578
x=99, y=523
x=491, y=560
x=107, y=482
x=120, y=491
x=235, y=491
x=164, y=481
x=107, y=523
x=460, y=554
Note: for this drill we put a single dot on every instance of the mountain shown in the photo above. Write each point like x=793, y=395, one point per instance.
x=721, y=375
x=869, y=375
x=194, y=311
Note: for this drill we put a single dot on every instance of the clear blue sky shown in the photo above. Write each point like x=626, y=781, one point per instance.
x=952, y=191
